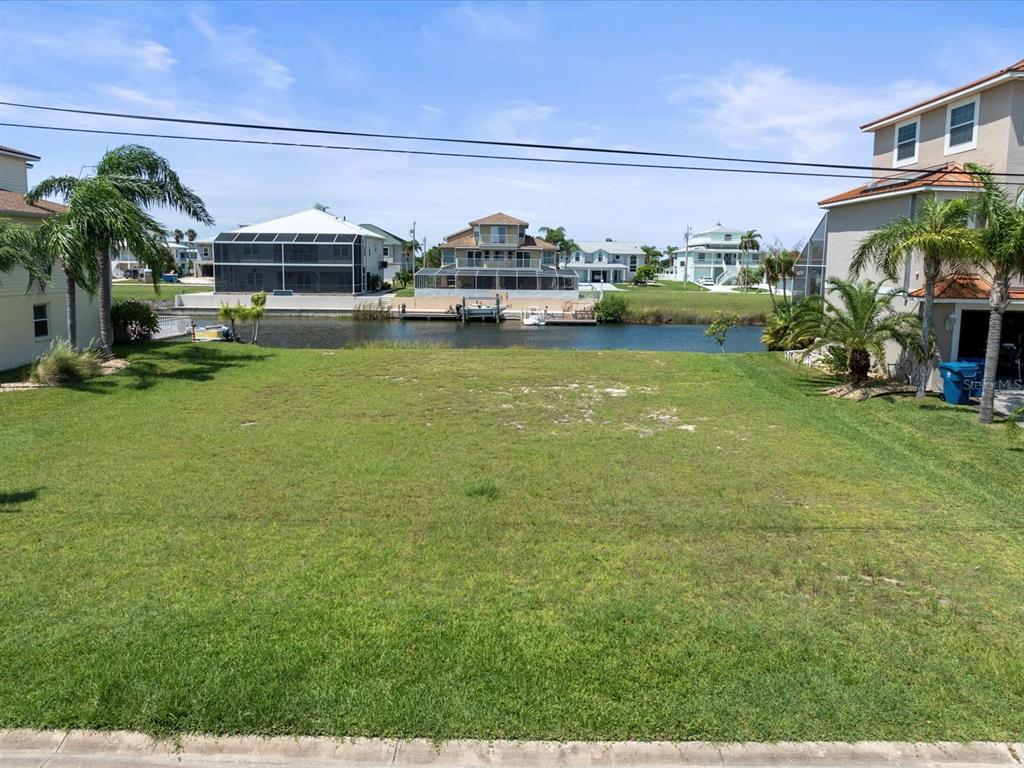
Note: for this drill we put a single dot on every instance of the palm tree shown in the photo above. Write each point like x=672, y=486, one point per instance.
x=670, y=252
x=557, y=237
x=178, y=236
x=1002, y=259
x=861, y=324
x=771, y=266
x=112, y=206
x=749, y=241
x=939, y=234
x=786, y=261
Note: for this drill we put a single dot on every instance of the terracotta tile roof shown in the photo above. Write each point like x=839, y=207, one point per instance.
x=12, y=151
x=499, y=218
x=951, y=175
x=965, y=286
x=14, y=204
x=467, y=239
x=461, y=239
x=1016, y=67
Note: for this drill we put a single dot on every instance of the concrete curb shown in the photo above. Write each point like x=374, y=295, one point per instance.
x=23, y=748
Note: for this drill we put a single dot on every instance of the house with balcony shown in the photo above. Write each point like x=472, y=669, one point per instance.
x=606, y=261
x=495, y=256
x=311, y=251
x=711, y=257
x=921, y=151
x=31, y=317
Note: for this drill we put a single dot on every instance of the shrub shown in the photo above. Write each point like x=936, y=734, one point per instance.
x=644, y=274
x=610, y=309
x=371, y=311
x=719, y=328
x=133, y=321
x=63, y=364
x=404, y=277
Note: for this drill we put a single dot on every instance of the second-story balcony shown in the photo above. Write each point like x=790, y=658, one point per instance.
x=509, y=240
x=511, y=262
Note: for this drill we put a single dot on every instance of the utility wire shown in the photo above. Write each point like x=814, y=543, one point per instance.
x=436, y=153
x=446, y=139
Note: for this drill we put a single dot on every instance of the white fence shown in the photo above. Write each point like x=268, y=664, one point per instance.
x=173, y=325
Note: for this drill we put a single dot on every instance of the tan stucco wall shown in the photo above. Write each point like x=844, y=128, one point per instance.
x=994, y=133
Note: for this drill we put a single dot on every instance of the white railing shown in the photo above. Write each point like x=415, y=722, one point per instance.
x=173, y=325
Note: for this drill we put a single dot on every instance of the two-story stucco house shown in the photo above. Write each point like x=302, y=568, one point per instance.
x=606, y=261
x=920, y=151
x=713, y=256
x=397, y=255
x=495, y=255
x=31, y=318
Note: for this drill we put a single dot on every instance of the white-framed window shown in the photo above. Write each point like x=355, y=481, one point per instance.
x=905, y=151
x=498, y=235
x=387, y=251
x=632, y=263
x=962, y=125
x=41, y=320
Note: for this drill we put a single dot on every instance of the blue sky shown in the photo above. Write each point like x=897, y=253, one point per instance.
x=790, y=81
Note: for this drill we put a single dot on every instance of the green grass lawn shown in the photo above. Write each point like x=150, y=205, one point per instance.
x=144, y=291
x=508, y=543
x=680, y=302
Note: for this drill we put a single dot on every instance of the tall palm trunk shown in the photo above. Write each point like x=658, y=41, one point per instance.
x=105, y=291
x=771, y=293
x=924, y=369
x=72, y=307
x=997, y=301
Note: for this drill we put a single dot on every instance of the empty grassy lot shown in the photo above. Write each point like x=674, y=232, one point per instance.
x=145, y=292
x=678, y=302
x=507, y=543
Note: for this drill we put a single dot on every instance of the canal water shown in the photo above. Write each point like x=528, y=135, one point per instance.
x=333, y=332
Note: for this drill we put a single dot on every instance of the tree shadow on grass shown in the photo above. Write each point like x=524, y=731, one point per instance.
x=187, y=362
x=9, y=500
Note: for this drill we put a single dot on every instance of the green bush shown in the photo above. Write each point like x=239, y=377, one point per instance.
x=63, y=364
x=133, y=321
x=610, y=309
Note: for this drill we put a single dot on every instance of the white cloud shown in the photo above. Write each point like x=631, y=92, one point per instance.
x=767, y=108
x=135, y=96
x=430, y=115
x=235, y=46
x=490, y=24
x=112, y=42
x=515, y=121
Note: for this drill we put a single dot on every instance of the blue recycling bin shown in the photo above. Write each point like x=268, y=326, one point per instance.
x=978, y=380
x=957, y=381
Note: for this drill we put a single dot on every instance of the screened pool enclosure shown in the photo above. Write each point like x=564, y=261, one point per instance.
x=471, y=280
x=245, y=262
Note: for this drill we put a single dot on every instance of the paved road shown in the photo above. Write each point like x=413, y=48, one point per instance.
x=92, y=749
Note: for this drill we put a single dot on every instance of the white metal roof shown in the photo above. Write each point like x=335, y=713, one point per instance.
x=611, y=246
x=310, y=221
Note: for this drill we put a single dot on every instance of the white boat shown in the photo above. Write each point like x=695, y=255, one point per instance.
x=211, y=333
x=534, y=317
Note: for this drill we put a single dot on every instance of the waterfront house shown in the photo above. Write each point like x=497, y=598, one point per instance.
x=606, y=261
x=493, y=256
x=921, y=150
x=311, y=251
x=712, y=256
x=397, y=256
x=30, y=319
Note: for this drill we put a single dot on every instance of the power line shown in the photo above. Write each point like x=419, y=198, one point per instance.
x=451, y=140
x=436, y=153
